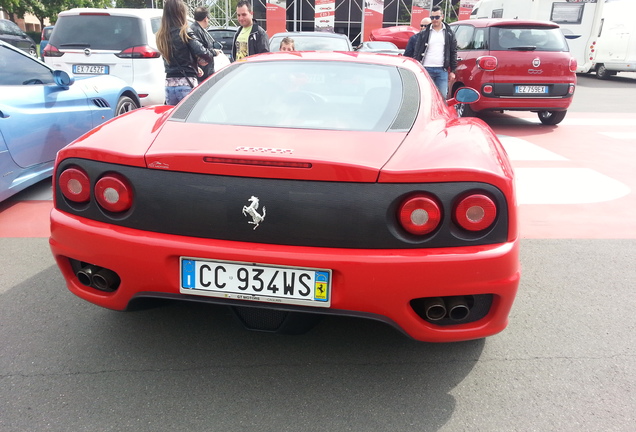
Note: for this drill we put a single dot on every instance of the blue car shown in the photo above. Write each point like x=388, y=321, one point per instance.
x=42, y=110
x=44, y=39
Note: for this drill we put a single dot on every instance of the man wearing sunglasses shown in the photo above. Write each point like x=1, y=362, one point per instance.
x=435, y=47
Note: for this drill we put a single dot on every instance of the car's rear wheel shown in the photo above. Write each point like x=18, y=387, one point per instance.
x=551, y=117
x=33, y=52
x=464, y=110
x=124, y=105
x=603, y=73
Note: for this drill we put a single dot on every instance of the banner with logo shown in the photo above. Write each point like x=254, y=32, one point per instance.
x=325, y=14
x=373, y=16
x=465, y=9
x=420, y=10
x=275, y=14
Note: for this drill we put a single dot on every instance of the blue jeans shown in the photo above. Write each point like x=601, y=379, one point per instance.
x=439, y=75
x=175, y=94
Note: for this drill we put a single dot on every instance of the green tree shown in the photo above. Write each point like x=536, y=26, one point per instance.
x=43, y=9
x=134, y=4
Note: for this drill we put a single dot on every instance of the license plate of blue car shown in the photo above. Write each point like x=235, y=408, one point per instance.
x=256, y=282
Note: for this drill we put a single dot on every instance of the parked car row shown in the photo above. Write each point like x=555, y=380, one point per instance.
x=514, y=64
x=353, y=124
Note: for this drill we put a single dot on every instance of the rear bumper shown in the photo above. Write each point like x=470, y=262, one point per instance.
x=378, y=284
x=521, y=104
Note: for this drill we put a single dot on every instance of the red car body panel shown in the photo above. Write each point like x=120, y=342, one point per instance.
x=323, y=149
x=399, y=35
x=377, y=283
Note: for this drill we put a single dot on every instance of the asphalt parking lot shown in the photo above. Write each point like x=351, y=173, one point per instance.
x=565, y=363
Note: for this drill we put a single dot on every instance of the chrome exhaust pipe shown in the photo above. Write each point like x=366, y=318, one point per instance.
x=85, y=274
x=434, y=308
x=105, y=280
x=457, y=308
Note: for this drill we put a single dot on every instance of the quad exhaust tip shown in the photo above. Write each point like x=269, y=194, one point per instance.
x=456, y=308
x=99, y=278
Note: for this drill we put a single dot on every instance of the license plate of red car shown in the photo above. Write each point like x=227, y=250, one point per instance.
x=256, y=282
x=531, y=89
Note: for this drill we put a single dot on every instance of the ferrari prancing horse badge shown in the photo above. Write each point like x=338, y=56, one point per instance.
x=251, y=210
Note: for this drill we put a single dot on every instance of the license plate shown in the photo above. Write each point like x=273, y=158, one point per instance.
x=90, y=69
x=531, y=89
x=256, y=282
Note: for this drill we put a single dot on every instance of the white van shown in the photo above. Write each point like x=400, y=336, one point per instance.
x=119, y=42
x=616, y=44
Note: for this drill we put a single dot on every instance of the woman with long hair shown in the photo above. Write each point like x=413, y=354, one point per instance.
x=180, y=50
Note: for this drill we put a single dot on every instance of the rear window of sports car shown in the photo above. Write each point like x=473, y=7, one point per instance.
x=302, y=94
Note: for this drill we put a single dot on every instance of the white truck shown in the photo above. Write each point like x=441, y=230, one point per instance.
x=616, y=43
x=601, y=33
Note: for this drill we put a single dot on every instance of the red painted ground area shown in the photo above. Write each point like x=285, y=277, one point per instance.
x=582, y=139
x=25, y=218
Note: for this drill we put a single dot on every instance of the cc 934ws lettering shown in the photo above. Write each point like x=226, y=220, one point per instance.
x=291, y=186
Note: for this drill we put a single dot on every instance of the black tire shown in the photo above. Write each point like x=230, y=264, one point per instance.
x=551, y=117
x=603, y=73
x=124, y=105
x=464, y=110
x=33, y=52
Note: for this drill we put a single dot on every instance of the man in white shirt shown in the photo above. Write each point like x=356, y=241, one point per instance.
x=435, y=47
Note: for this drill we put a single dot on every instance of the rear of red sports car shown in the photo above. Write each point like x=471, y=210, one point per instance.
x=295, y=185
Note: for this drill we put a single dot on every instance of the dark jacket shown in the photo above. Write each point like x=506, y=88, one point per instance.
x=183, y=60
x=257, y=42
x=418, y=44
x=208, y=42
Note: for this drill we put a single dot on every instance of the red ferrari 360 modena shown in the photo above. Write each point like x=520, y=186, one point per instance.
x=295, y=185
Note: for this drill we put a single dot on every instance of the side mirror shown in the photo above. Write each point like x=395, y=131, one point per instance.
x=63, y=78
x=465, y=95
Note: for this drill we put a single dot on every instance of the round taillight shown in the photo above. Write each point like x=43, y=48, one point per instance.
x=487, y=88
x=419, y=214
x=114, y=193
x=75, y=185
x=475, y=212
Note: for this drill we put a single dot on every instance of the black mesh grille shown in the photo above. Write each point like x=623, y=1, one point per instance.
x=300, y=213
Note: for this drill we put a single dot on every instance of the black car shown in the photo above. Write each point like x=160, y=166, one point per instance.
x=225, y=36
x=14, y=35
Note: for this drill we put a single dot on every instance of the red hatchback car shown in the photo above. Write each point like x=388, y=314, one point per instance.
x=518, y=65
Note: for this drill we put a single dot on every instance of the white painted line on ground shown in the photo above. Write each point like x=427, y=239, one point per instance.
x=566, y=186
x=620, y=135
x=519, y=149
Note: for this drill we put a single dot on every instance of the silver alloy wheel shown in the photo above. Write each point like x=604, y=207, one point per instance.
x=124, y=105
